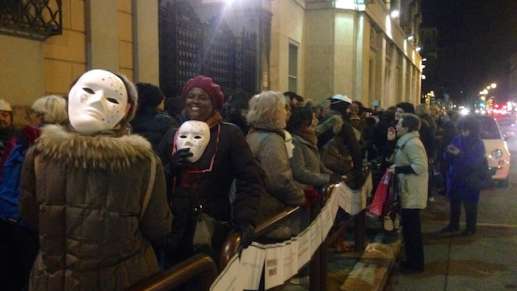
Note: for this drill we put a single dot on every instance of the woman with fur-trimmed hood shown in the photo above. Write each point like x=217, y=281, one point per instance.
x=95, y=194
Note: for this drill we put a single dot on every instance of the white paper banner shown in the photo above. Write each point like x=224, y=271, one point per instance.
x=274, y=265
x=230, y=277
x=252, y=262
x=281, y=261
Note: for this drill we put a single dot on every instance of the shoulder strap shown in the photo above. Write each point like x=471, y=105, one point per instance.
x=150, y=186
x=37, y=166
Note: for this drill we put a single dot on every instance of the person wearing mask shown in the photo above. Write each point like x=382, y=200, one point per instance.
x=411, y=170
x=465, y=156
x=199, y=188
x=20, y=242
x=267, y=117
x=95, y=195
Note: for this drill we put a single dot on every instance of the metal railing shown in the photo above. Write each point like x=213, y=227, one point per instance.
x=201, y=267
x=318, y=262
x=204, y=268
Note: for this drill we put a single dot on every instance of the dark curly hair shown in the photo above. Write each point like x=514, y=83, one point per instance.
x=300, y=117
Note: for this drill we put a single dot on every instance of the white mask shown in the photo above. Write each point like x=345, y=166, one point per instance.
x=97, y=102
x=194, y=135
x=289, y=145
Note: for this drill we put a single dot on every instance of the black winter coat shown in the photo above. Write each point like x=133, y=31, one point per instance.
x=152, y=125
x=211, y=189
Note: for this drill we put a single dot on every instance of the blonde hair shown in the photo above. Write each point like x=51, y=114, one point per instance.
x=264, y=109
x=52, y=107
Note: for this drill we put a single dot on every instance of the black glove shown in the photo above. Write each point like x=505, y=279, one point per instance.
x=247, y=234
x=179, y=159
x=335, y=178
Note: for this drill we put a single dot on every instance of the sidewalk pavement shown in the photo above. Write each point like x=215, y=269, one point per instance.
x=485, y=261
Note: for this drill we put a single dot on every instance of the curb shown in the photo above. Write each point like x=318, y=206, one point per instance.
x=373, y=269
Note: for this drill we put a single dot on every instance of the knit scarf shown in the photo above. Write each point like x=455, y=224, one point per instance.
x=214, y=120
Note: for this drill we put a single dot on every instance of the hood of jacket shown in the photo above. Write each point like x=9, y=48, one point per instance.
x=406, y=137
x=97, y=151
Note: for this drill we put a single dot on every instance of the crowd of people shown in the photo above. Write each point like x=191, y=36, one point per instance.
x=105, y=186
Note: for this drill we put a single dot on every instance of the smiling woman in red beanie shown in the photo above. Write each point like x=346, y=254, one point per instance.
x=199, y=192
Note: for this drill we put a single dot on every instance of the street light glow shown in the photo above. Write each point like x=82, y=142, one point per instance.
x=395, y=13
x=493, y=85
x=410, y=38
x=418, y=49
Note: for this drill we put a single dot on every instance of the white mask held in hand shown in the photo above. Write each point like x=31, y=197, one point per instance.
x=194, y=135
x=97, y=102
x=289, y=145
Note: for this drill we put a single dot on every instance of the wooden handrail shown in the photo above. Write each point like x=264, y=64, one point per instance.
x=231, y=245
x=198, y=266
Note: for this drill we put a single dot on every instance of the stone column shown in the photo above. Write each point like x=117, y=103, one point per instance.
x=145, y=41
x=102, y=40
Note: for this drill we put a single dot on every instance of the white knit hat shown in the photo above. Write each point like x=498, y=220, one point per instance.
x=340, y=98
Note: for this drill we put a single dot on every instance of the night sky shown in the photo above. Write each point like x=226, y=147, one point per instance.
x=475, y=42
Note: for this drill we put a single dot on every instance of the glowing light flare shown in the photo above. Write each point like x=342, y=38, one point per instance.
x=388, y=26
x=464, y=111
x=395, y=13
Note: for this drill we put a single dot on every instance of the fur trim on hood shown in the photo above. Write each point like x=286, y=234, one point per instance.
x=98, y=151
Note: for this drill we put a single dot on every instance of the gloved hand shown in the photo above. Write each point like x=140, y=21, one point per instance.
x=335, y=179
x=311, y=196
x=247, y=234
x=180, y=159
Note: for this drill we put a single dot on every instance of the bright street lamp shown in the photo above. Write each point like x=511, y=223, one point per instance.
x=418, y=49
x=395, y=13
x=410, y=38
x=493, y=85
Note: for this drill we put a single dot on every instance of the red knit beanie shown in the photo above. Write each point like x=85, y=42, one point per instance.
x=209, y=86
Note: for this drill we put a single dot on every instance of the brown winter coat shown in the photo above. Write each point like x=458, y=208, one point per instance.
x=84, y=194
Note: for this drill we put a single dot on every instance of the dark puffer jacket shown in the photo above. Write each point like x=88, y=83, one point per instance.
x=85, y=196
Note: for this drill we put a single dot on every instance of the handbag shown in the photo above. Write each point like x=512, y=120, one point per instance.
x=478, y=177
x=381, y=195
x=336, y=157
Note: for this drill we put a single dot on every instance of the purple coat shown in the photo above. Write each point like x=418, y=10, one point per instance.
x=471, y=157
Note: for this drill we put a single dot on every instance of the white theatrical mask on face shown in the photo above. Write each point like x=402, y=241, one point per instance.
x=289, y=145
x=194, y=135
x=97, y=102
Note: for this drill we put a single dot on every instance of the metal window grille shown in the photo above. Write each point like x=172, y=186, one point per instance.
x=189, y=47
x=34, y=19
